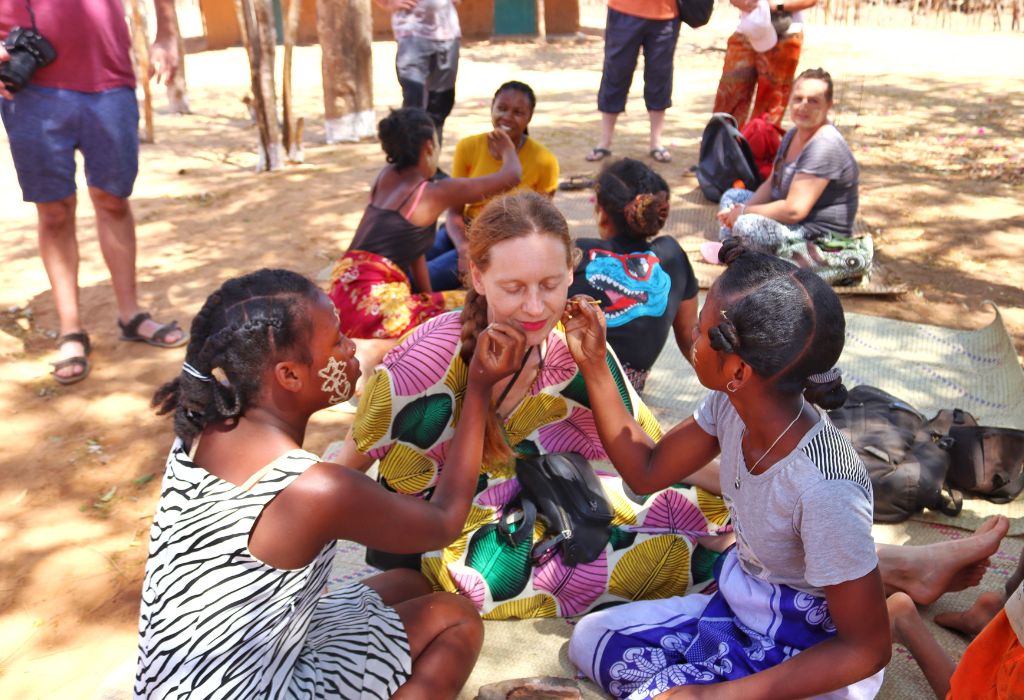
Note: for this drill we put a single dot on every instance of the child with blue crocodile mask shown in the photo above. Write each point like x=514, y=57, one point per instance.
x=644, y=280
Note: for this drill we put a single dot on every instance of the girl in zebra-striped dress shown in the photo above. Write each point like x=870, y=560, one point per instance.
x=233, y=602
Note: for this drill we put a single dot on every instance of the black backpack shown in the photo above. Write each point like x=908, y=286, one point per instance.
x=725, y=157
x=906, y=457
x=917, y=463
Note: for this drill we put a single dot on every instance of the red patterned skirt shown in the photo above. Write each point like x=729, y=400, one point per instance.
x=375, y=300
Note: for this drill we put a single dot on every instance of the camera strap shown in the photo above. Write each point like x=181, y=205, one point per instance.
x=32, y=15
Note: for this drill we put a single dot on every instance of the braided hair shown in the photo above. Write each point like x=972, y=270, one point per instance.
x=784, y=321
x=508, y=217
x=634, y=197
x=402, y=134
x=243, y=327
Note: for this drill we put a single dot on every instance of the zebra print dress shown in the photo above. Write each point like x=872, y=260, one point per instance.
x=216, y=622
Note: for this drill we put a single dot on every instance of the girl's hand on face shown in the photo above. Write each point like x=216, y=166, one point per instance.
x=584, y=330
x=500, y=145
x=499, y=352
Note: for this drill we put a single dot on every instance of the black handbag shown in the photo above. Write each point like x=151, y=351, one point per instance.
x=695, y=13
x=562, y=491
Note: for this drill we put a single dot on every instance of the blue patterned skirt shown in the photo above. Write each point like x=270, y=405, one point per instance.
x=642, y=649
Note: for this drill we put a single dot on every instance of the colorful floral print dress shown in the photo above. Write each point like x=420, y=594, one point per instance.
x=406, y=419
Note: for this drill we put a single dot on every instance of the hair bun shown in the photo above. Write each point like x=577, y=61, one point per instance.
x=731, y=250
x=826, y=389
x=647, y=213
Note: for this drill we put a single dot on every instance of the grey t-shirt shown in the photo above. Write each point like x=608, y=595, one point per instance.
x=806, y=521
x=436, y=20
x=825, y=155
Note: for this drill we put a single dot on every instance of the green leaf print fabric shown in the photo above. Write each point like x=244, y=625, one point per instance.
x=407, y=423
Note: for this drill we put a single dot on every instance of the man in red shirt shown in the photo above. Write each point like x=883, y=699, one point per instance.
x=84, y=100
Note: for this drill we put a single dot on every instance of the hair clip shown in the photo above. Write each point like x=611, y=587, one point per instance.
x=826, y=377
x=722, y=311
x=190, y=370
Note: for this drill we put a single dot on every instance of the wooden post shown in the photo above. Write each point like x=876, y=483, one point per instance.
x=542, y=28
x=345, y=28
x=258, y=33
x=291, y=132
x=140, y=46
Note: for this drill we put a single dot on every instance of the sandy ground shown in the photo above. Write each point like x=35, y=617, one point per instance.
x=933, y=117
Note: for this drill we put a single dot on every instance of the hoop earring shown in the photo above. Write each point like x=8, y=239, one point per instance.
x=730, y=386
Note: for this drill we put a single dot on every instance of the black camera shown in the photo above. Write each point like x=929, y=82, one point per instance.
x=28, y=50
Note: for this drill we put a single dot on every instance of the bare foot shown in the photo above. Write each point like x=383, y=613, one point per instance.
x=67, y=350
x=926, y=572
x=901, y=611
x=974, y=619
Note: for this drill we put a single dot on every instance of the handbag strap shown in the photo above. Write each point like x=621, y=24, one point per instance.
x=524, y=527
x=508, y=387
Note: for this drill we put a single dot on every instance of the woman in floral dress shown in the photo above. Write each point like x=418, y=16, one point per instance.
x=409, y=409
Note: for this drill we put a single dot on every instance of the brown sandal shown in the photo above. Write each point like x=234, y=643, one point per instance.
x=130, y=332
x=74, y=361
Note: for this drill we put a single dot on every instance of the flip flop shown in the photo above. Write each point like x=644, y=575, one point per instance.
x=576, y=182
x=130, y=332
x=74, y=361
x=597, y=153
x=709, y=251
x=661, y=154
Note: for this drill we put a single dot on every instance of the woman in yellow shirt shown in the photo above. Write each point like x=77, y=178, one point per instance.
x=511, y=111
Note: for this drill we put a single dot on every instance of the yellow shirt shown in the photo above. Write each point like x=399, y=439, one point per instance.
x=472, y=159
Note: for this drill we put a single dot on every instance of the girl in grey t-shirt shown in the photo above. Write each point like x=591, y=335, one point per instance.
x=799, y=609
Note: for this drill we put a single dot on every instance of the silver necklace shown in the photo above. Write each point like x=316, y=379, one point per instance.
x=750, y=470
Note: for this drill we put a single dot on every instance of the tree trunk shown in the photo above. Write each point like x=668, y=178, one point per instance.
x=345, y=29
x=291, y=130
x=140, y=46
x=177, y=89
x=257, y=22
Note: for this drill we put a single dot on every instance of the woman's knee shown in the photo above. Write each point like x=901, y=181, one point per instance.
x=734, y=195
x=399, y=585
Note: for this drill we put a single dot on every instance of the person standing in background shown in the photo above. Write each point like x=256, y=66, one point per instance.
x=83, y=100
x=427, y=61
x=770, y=73
x=634, y=24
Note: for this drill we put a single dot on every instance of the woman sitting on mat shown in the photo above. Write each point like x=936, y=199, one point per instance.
x=800, y=609
x=644, y=281
x=410, y=407
x=804, y=211
x=511, y=112
x=373, y=284
x=412, y=404
x=233, y=602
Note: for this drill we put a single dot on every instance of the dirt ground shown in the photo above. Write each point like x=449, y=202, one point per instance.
x=933, y=116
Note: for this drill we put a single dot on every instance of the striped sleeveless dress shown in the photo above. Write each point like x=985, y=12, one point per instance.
x=215, y=622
